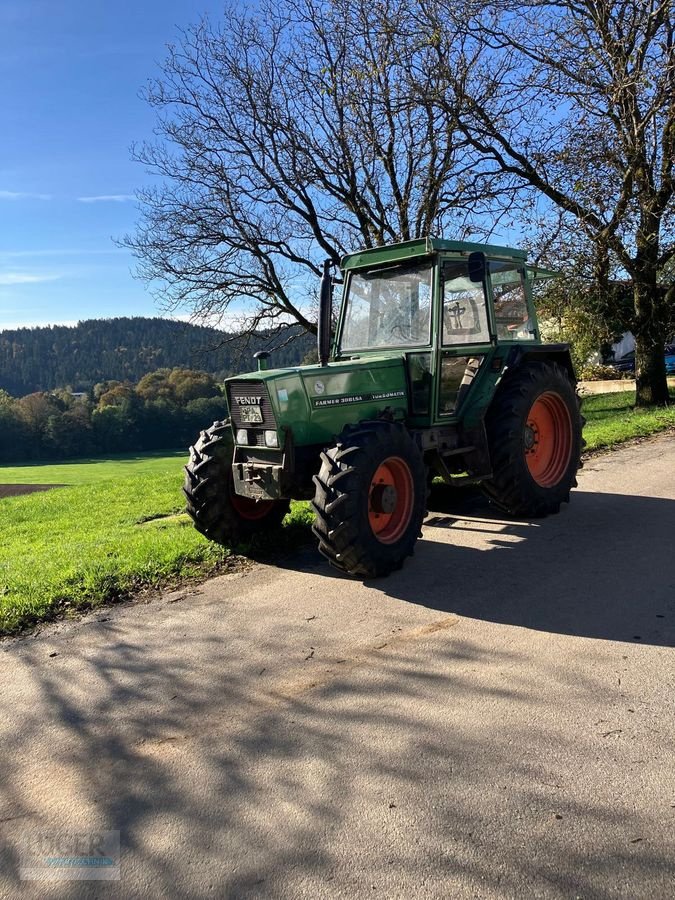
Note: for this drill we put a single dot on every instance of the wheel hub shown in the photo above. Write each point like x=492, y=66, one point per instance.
x=383, y=499
x=530, y=437
x=390, y=499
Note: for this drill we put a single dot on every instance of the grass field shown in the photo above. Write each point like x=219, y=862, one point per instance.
x=95, y=471
x=118, y=525
x=611, y=419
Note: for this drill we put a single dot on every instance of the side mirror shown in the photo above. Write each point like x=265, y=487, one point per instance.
x=477, y=267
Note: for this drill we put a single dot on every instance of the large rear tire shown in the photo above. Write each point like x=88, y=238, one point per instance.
x=370, y=499
x=534, y=429
x=217, y=511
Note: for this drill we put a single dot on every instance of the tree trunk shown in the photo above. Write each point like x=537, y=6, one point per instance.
x=650, y=339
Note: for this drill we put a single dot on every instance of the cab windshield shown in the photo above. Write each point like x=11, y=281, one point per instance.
x=388, y=308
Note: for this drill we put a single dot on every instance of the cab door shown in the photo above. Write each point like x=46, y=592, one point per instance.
x=464, y=333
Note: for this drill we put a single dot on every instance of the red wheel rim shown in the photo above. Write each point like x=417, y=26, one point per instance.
x=248, y=509
x=390, y=500
x=548, y=439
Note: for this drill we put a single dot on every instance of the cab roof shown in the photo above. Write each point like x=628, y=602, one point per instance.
x=425, y=247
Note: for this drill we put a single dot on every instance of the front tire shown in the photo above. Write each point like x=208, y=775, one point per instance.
x=370, y=499
x=219, y=513
x=534, y=431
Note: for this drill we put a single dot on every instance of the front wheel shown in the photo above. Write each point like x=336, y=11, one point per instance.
x=534, y=433
x=370, y=499
x=217, y=511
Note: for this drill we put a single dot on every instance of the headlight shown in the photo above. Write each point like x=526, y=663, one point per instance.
x=242, y=436
x=271, y=439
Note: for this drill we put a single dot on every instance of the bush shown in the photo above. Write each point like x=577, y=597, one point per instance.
x=599, y=372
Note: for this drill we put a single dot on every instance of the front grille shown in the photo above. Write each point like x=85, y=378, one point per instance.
x=251, y=389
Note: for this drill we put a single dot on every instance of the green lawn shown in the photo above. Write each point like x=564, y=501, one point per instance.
x=611, y=419
x=93, y=541
x=118, y=525
x=93, y=471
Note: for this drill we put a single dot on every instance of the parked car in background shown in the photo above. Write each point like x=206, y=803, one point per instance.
x=670, y=359
x=626, y=363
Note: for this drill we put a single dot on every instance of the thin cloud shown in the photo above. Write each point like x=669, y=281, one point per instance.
x=23, y=195
x=12, y=278
x=107, y=198
x=21, y=254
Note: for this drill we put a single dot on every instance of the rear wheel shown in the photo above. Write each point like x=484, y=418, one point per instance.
x=370, y=499
x=534, y=432
x=217, y=511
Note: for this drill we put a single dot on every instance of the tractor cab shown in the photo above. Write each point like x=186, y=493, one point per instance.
x=451, y=308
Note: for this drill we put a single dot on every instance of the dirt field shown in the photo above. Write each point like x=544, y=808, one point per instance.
x=13, y=490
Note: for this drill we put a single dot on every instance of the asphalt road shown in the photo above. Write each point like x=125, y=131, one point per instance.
x=496, y=720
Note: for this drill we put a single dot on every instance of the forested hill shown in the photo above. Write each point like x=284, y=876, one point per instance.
x=125, y=349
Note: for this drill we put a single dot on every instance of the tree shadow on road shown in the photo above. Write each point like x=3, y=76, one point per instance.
x=377, y=773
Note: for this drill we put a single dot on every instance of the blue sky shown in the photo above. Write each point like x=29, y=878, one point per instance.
x=70, y=75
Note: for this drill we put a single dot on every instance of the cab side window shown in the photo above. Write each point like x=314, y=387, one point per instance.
x=512, y=318
x=464, y=309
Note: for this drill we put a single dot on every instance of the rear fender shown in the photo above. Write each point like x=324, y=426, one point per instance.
x=558, y=353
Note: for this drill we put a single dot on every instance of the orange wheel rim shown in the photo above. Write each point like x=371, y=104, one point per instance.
x=390, y=500
x=252, y=510
x=548, y=439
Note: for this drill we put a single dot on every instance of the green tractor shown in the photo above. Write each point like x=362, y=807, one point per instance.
x=436, y=368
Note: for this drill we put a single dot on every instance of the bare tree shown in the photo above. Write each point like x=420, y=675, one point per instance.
x=576, y=100
x=290, y=134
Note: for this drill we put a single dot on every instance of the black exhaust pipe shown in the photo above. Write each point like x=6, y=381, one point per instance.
x=325, y=313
